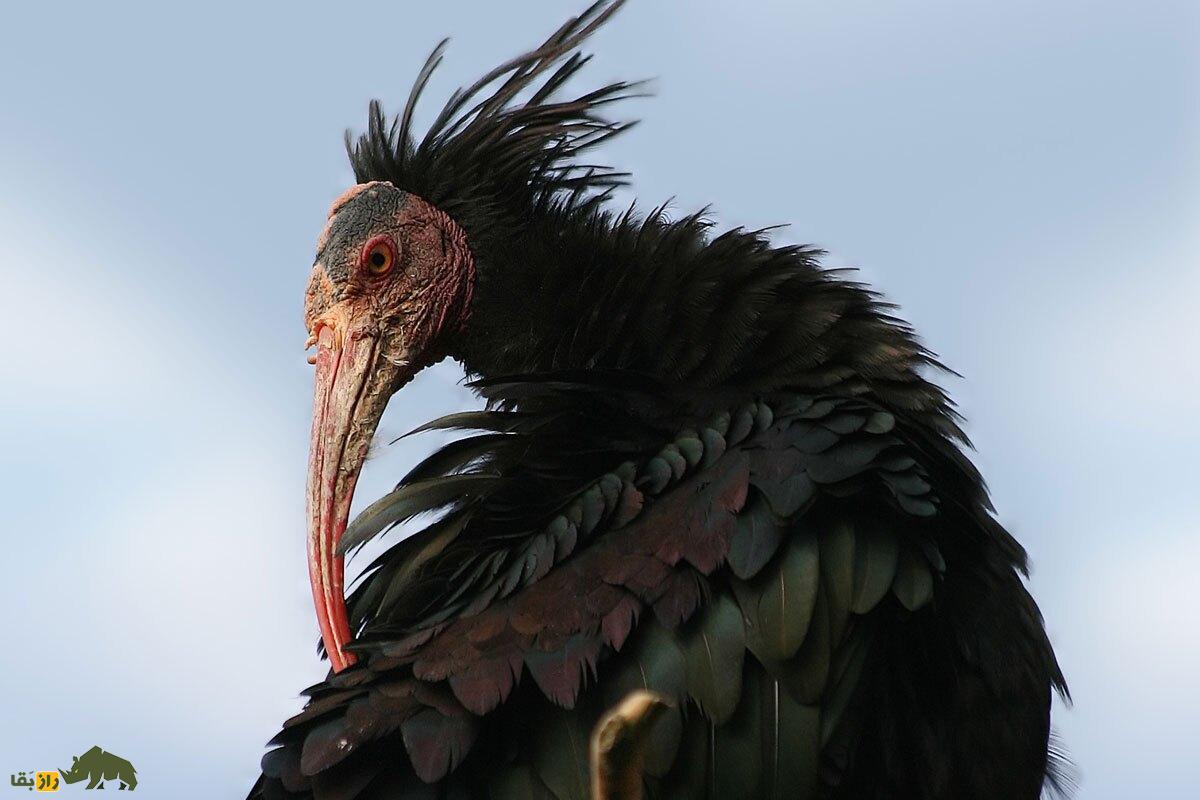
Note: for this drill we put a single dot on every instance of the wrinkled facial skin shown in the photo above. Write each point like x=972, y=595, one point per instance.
x=391, y=286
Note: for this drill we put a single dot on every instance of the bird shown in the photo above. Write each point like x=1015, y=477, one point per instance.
x=704, y=465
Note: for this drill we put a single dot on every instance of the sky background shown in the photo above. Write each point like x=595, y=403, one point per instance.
x=1020, y=177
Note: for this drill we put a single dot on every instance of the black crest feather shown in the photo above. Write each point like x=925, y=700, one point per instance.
x=505, y=145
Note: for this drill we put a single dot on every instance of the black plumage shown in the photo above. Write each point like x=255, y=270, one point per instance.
x=709, y=467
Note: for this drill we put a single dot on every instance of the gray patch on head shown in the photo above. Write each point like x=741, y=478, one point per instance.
x=368, y=213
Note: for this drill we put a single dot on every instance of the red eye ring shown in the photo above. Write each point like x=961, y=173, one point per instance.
x=379, y=255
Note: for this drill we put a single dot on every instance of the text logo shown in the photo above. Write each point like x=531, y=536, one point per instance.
x=95, y=766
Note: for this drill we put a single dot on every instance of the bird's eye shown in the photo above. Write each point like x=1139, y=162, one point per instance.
x=379, y=255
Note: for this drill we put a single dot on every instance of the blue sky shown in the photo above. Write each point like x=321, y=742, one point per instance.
x=1020, y=177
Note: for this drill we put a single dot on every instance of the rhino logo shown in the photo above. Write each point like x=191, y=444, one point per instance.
x=98, y=766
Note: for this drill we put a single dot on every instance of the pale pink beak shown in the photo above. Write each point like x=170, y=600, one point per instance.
x=352, y=389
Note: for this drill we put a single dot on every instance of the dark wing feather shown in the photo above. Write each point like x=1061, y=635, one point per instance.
x=771, y=673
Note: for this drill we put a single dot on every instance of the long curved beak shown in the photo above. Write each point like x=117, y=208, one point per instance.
x=353, y=385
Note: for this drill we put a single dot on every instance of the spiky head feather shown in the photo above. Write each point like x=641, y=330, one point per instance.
x=504, y=148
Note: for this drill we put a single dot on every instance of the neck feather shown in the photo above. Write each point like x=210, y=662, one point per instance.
x=582, y=289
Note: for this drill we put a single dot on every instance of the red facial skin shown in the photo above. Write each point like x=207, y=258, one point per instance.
x=374, y=329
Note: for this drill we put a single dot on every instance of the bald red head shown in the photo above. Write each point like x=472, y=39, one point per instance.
x=392, y=283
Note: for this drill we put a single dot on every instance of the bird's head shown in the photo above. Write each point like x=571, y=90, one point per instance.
x=391, y=284
x=394, y=283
